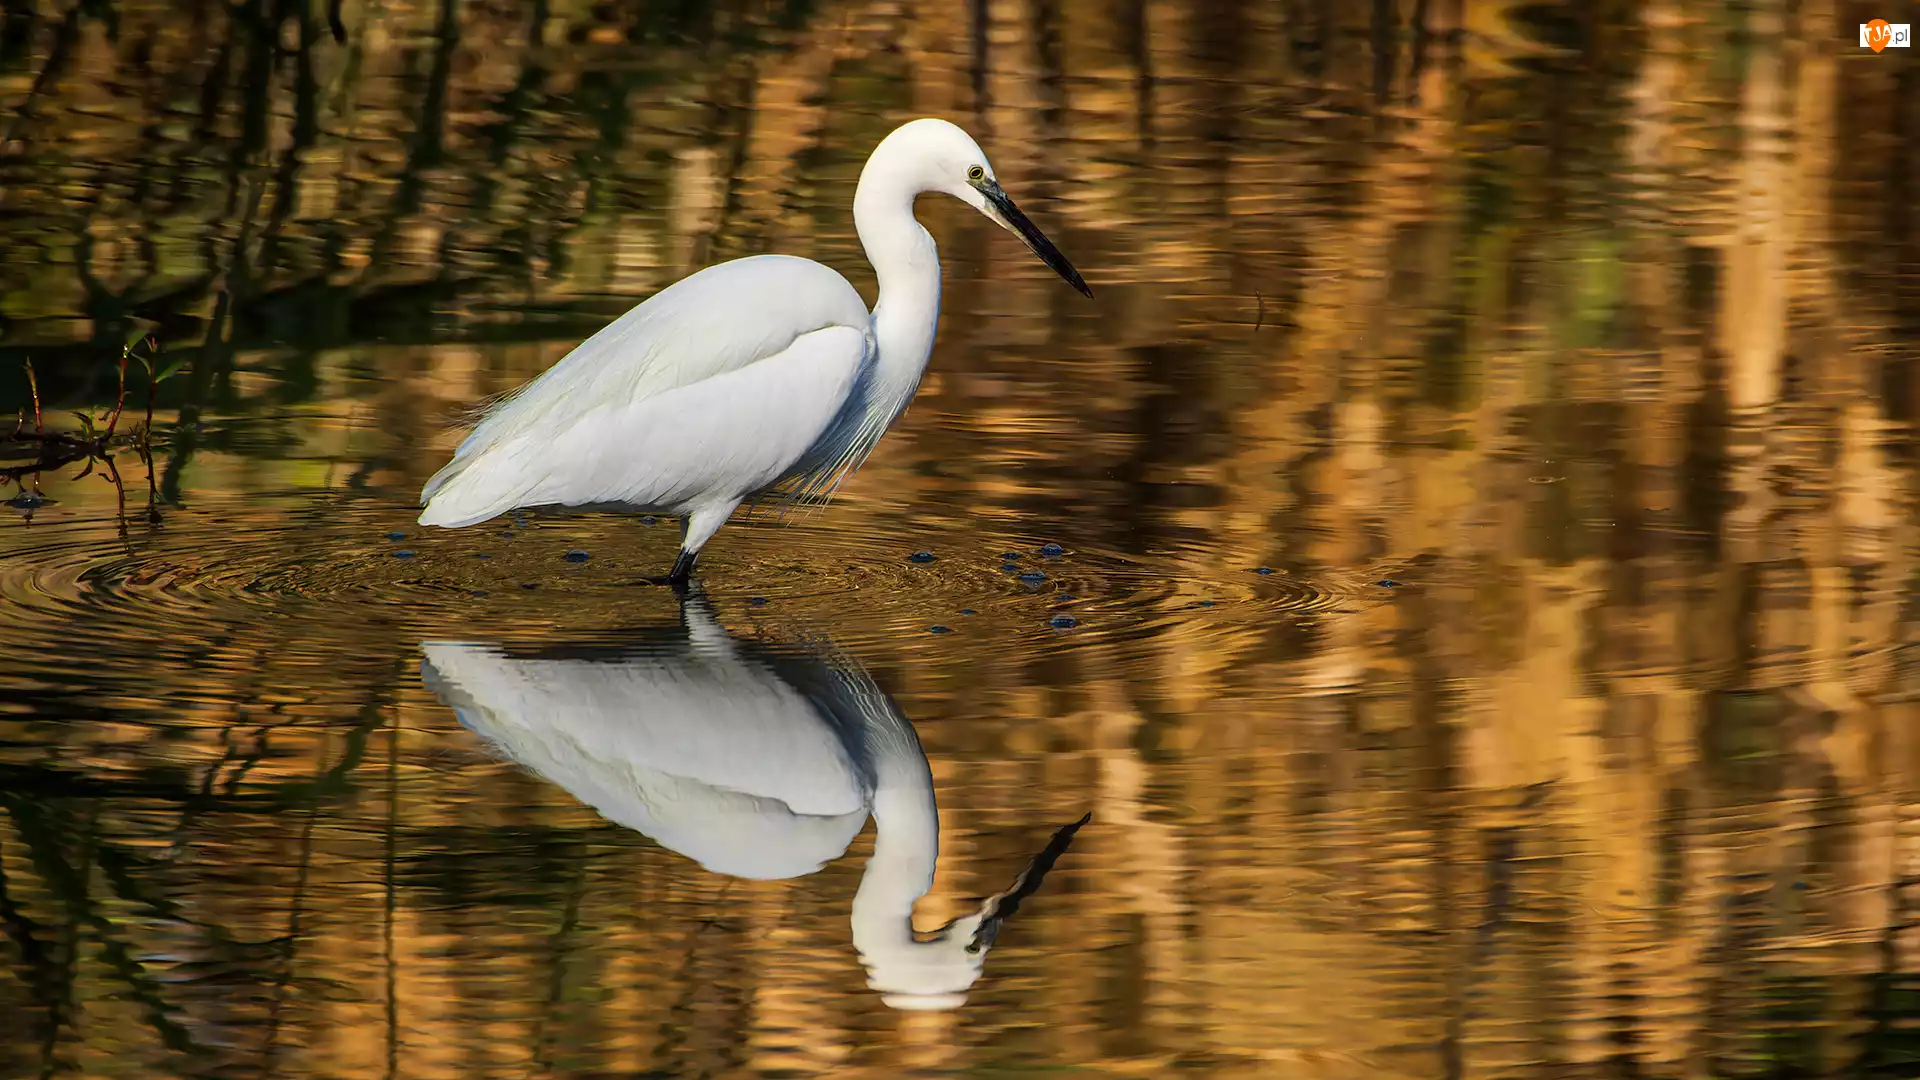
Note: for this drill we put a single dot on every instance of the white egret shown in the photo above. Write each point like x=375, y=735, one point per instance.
x=754, y=763
x=757, y=375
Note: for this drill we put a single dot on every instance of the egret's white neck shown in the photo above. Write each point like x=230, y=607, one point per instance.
x=908, y=265
x=906, y=845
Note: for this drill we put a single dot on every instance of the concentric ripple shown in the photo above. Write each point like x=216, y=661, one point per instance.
x=307, y=568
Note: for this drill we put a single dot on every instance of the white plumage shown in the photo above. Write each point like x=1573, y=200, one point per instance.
x=753, y=763
x=761, y=374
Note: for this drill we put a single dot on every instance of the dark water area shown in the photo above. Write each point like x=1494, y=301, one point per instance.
x=1478, y=632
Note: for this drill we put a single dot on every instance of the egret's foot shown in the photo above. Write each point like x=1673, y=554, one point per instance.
x=680, y=586
x=681, y=574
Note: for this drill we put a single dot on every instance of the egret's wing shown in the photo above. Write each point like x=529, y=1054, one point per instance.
x=733, y=433
x=718, y=321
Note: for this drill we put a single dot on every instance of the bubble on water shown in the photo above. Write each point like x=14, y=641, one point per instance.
x=403, y=553
x=1009, y=568
x=649, y=521
x=921, y=557
x=1009, y=556
x=1263, y=570
x=1387, y=583
x=477, y=592
x=757, y=601
x=1032, y=577
x=936, y=628
x=968, y=611
x=1066, y=598
x=529, y=584
x=1052, y=551
x=28, y=500
x=1063, y=622
x=396, y=535
x=1206, y=603
x=577, y=556
x=481, y=555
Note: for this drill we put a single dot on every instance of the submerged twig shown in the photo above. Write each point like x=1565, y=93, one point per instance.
x=93, y=446
x=120, y=400
x=153, y=391
x=33, y=387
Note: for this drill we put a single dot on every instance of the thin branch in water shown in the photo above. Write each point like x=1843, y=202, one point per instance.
x=119, y=491
x=33, y=387
x=120, y=398
x=153, y=388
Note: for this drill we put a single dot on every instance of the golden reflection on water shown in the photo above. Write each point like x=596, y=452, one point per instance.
x=1587, y=327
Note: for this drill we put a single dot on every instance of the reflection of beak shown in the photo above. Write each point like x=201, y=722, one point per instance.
x=1016, y=222
x=998, y=909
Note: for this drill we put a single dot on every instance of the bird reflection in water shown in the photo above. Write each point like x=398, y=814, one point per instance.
x=756, y=762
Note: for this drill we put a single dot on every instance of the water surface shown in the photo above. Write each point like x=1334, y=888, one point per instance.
x=1481, y=634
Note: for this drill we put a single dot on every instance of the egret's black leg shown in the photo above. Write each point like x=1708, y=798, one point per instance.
x=682, y=568
x=681, y=573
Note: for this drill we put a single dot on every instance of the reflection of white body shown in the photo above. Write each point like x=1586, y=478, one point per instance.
x=757, y=767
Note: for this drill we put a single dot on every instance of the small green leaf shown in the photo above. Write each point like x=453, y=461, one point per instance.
x=140, y=329
x=170, y=370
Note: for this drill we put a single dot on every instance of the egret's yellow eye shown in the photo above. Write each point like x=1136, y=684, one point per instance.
x=976, y=174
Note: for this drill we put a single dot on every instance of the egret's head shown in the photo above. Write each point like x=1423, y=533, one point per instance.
x=934, y=971
x=946, y=159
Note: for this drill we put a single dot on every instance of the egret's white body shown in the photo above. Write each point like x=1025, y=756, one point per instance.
x=754, y=764
x=749, y=376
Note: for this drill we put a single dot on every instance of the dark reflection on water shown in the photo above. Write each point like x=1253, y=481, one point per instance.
x=1554, y=361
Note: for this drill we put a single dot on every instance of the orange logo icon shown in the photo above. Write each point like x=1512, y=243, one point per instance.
x=1878, y=33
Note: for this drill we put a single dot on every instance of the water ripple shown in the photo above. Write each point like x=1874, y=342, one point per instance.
x=234, y=562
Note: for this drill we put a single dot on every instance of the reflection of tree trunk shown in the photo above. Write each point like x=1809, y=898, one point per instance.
x=306, y=128
x=48, y=975
x=705, y=204
x=520, y=237
x=1902, y=218
x=1386, y=37
x=65, y=863
x=1888, y=1037
x=1754, y=299
x=978, y=19
x=390, y=895
x=1052, y=79
x=289, y=949
x=1417, y=61
x=256, y=85
x=1139, y=50
x=63, y=43
x=212, y=367
x=18, y=20
x=767, y=157
x=429, y=147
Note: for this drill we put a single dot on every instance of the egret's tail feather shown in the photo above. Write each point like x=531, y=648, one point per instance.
x=447, y=474
x=458, y=496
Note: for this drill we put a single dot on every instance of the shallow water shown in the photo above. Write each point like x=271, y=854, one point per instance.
x=1481, y=636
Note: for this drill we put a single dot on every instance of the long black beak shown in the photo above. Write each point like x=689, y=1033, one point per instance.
x=1016, y=221
x=999, y=908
